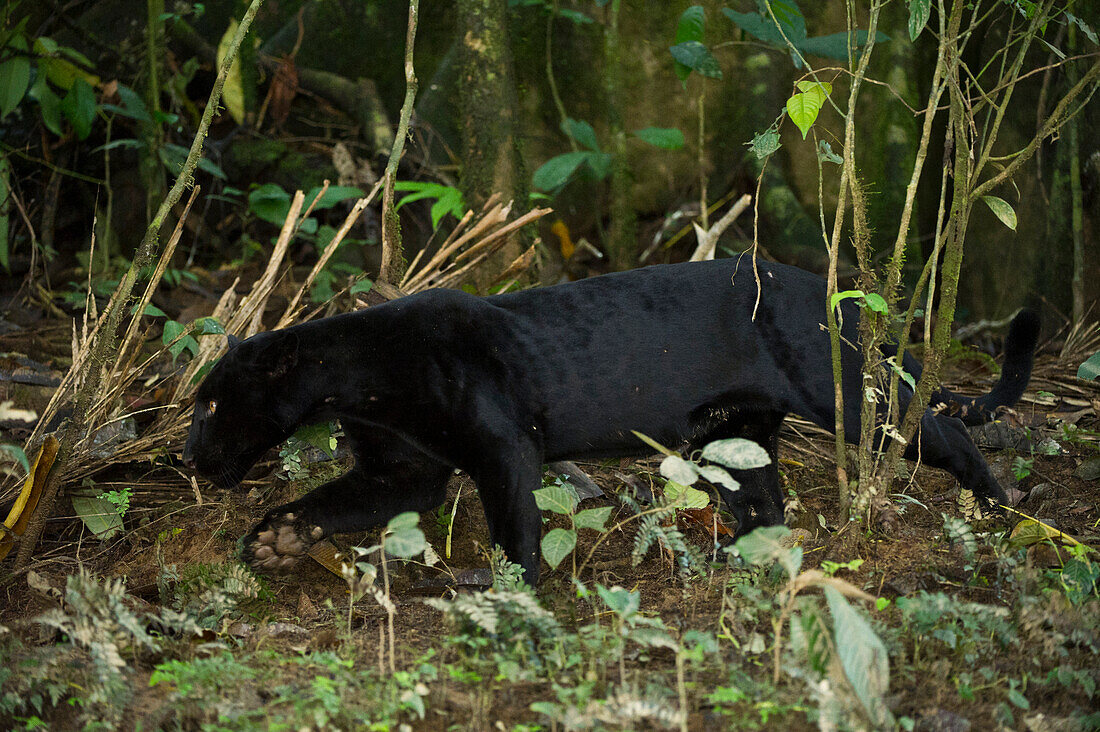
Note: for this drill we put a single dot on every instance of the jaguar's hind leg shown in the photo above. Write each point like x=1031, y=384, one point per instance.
x=759, y=501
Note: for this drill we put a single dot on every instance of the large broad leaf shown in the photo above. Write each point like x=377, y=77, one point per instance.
x=765, y=545
x=697, y=57
x=676, y=468
x=690, y=28
x=270, y=202
x=233, y=90
x=557, y=545
x=1090, y=369
x=666, y=138
x=15, y=77
x=835, y=45
x=133, y=105
x=863, y=657
x=403, y=536
x=582, y=132
x=79, y=107
x=755, y=25
x=804, y=106
x=683, y=496
x=48, y=101
x=99, y=515
x=737, y=453
x=60, y=72
x=1002, y=209
x=719, y=476
x=556, y=172
x=592, y=518
x=919, y=12
x=557, y=498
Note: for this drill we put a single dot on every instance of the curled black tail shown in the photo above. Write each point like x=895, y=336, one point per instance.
x=1023, y=337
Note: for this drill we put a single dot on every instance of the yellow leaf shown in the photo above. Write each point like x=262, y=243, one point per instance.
x=233, y=91
x=16, y=522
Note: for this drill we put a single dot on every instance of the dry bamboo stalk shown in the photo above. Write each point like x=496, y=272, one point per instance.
x=247, y=320
x=150, y=288
x=291, y=311
x=503, y=232
x=492, y=218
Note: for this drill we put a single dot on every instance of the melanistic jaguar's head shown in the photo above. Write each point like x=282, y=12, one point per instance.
x=243, y=407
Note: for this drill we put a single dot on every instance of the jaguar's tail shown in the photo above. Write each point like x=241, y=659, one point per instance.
x=1023, y=337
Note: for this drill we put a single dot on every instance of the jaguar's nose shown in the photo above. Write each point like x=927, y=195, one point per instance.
x=189, y=461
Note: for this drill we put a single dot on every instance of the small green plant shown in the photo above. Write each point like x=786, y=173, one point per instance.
x=449, y=199
x=561, y=497
x=321, y=436
x=849, y=654
x=402, y=538
x=831, y=568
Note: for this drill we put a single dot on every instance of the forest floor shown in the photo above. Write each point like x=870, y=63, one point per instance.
x=982, y=629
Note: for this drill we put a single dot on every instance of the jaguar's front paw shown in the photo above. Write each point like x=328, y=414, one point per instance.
x=279, y=542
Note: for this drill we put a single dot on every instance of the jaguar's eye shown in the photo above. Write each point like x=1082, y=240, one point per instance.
x=212, y=406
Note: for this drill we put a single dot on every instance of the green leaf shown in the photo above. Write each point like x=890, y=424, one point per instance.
x=79, y=107
x=846, y=294
x=684, y=496
x=557, y=545
x=835, y=45
x=666, y=138
x=362, y=286
x=556, y=497
x=862, y=655
x=620, y=600
x=876, y=303
x=689, y=28
x=826, y=154
x=764, y=545
x=207, y=325
x=737, y=453
x=755, y=25
x=15, y=77
x=582, y=132
x=556, y=172
x=151, y=310
x=319, y=435
x=592, y=518
x=99, y=515
x=919, y=12
x=336, y=194
x=133, y=105
x=1002, y=210
x=718, y=475
x=697, y=57
x=270, y=203
x=1018, y=699
x=403, y=537
x=172, y=331
x=804, y=107
x=20, y=457
x=1090, y=369
x=49, y=102
x=677, y=469
x=764, y=144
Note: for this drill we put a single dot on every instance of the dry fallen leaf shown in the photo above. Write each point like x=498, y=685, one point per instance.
x=16, y=522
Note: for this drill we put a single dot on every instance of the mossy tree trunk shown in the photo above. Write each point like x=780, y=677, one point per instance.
x=488, y=118
x=622, y=236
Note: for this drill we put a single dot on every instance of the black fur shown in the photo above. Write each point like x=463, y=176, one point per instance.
x=497, y=386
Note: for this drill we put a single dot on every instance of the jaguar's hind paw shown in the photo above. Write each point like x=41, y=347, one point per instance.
x=278, y=543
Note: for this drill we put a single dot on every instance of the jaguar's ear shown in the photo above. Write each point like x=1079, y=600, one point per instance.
x=234, y=341
x=279, y=355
